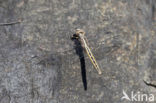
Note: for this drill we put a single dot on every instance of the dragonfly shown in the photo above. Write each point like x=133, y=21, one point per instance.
x=80, y=35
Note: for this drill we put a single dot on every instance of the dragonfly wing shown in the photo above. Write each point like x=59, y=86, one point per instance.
x=96, y=46
x=101, y=49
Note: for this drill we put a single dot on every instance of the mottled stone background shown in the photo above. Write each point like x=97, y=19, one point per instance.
x=36, y=66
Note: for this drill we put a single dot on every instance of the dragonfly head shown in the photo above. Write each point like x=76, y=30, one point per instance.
x=80, y=31
x=77, y=34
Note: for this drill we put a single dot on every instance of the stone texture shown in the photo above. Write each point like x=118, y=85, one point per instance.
x=34, y=67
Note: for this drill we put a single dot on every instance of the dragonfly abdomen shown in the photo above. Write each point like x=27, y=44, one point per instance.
x=92, y=58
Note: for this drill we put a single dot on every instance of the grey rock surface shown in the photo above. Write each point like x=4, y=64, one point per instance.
x=38, y=62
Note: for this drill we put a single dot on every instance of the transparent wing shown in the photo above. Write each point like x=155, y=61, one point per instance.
x=100, y=48
x=68, y=51
x=106, y=43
